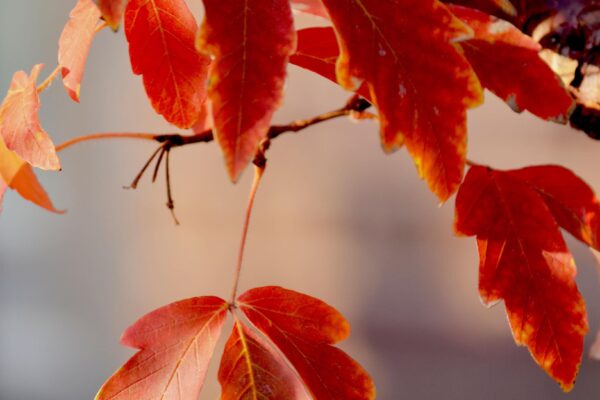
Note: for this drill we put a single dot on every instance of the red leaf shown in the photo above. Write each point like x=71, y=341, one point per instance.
x=161, y=47
x=176, y=344
x=318, y=51
x=504, y=58
x=20, y=125
x=74, y=45
x=304, y=328
x=314, y=7
x=252, y=369
x=251, y=43
x=421, y=101
x=18, y=175
x=488, y=6
x=525, y=262
x=112, y=11
x=571, y=201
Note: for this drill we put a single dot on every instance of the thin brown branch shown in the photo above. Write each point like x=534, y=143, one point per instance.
x=103, y=136
x=355, y=105
x=48, y=81
x=170, y=202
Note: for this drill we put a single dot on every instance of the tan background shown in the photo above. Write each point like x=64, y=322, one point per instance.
x=335, y=218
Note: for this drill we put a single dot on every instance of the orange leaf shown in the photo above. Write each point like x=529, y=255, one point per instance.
x=18, y=175
x=74, y=45
x=504, y=59
x=161, y=47
x=571, y=201
x=252, y=369
x=422, y=101
x=251, y=43
x=314, y=7
x=304, y=328
x=112, y=11
x=176, y=344
x=525, y=262
x=20, y=125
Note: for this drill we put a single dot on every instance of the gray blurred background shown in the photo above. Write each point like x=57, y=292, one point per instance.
x=335, y=218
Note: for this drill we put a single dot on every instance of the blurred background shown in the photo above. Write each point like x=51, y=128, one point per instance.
x=334, y=218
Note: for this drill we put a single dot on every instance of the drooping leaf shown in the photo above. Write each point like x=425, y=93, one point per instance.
x=18, y=175
x=304, y=329
x=252, y=369
x=176, y=343
x=314, y=7
x=20, y=126
x=525, y=262
x=251, y=43
x=74, y=45
x=422, y=102
x=112, y=11
x=161, y=36
x=504, y=59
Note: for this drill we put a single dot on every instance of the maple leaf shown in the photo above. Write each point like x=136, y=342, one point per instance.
x=524, y=260
x=304, y=329
x=74, y=45
x=422, y=102
x=18, y=175
x=20, y=126
x=112, y=11
x=252, y=369
x=504, y=58
x=251, y=43
x=161, y=36
x=176, y=344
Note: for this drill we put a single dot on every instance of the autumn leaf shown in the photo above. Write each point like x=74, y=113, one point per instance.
x=20, y=126
x=251, y=43
x=304, y=329
x=572, y=202
x=252, y=369
x=176, y=344
x=314, y=7
x=74, y=45
x=112, y=11
x=18, y=175
x=318, y=51
x=504, y=58
x=422, y=102
x=161, y=36
x=493, y=7
x=525, y=261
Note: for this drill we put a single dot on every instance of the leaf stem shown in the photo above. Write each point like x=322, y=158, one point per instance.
x=102, y=136
x=48, y=81
x=100, y=26
x=258, y=174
